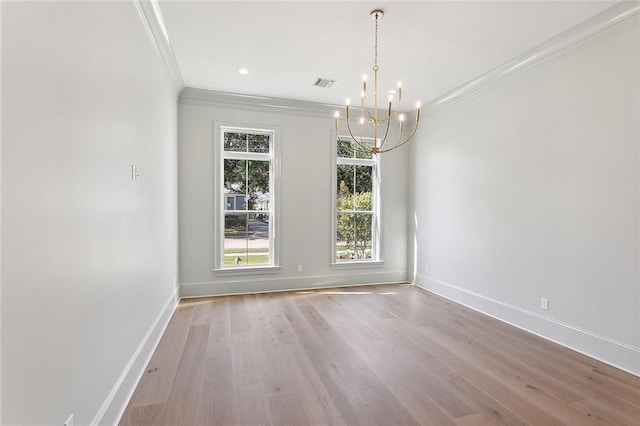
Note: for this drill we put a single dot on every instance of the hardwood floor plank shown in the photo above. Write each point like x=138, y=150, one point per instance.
x=512, y=382
x=145, y=415
x=239, y=315
x=473, y=396
x=374, y=355
x=320, y=406
x=321, y=361
x=440, y=379
x=219, y=325
x=464, y=364
x=477, y=419
x=504, y=358
x=505, y=368
x=603, y=413
x=272, y=306
x=202, y=311
x=184, y=405
x=250, y=405
x=344, y=375
x=396, y=371
x=218, y=388
x=534, y=352
x=245, y=368
x=155, y=385
x=414, y=389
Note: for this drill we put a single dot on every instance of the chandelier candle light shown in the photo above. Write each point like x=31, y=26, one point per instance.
x=372, y=117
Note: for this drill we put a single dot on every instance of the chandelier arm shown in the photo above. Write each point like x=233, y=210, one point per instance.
x=397, y=144
x=415, y=129
x=371, y=116
x=364, y=106
x=386, y=133
x=384, y=120
x=393, y=115
x=398, y=139
x=363, y=147
x=368, y=111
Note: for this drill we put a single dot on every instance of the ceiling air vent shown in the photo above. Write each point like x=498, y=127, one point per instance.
x=324, y=82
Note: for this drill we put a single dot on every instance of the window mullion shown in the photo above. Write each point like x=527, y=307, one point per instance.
x=353, y=190
x=246, y=184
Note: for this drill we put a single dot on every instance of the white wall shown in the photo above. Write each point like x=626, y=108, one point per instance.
x=531, y=189
x=88, y=254
x=306, y=207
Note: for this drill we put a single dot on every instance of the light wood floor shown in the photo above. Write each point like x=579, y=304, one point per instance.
x=377, y=355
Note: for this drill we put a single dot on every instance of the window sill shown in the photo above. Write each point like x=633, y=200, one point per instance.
x=247, y=270
x=358, y=264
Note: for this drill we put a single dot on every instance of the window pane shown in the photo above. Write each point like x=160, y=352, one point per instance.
x=363, y=179
x=353, y=239
x=246, y=239
x=350, y=149
x=344, y=181
x=345, y=150
x=362, y=201
x=362, y=239
x=235, y=239
x=355, y=186
x=258, y=184
x=235, y=141
x=362, y=152
x=259, y=143
x=235, y=179
x=235, y=202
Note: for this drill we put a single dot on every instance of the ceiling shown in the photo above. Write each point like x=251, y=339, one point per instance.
x=433, y=47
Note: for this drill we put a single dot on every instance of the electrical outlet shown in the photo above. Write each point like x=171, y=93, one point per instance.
x=69, y=421
x=299, y=268
x=544, y=304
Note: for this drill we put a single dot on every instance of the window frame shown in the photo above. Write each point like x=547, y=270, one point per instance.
x=377, y=252
x=219, y=202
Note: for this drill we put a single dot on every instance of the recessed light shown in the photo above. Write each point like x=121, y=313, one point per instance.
x=243, y=71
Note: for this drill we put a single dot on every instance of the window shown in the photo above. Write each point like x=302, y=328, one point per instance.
x=246, y=185
x=356, y=203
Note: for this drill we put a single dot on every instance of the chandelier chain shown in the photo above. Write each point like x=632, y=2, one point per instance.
x=375, y=64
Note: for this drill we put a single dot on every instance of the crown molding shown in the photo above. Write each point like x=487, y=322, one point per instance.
x=151, y=17
x=563, y=42
x=195, y=96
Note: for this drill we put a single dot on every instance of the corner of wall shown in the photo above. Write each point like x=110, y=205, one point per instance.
x=153, y=22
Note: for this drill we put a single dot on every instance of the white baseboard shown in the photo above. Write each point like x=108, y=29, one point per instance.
x=264, y=284
x=618, y=354
x=113, y=407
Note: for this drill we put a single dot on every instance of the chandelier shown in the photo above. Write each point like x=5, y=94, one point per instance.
x=373, y=118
